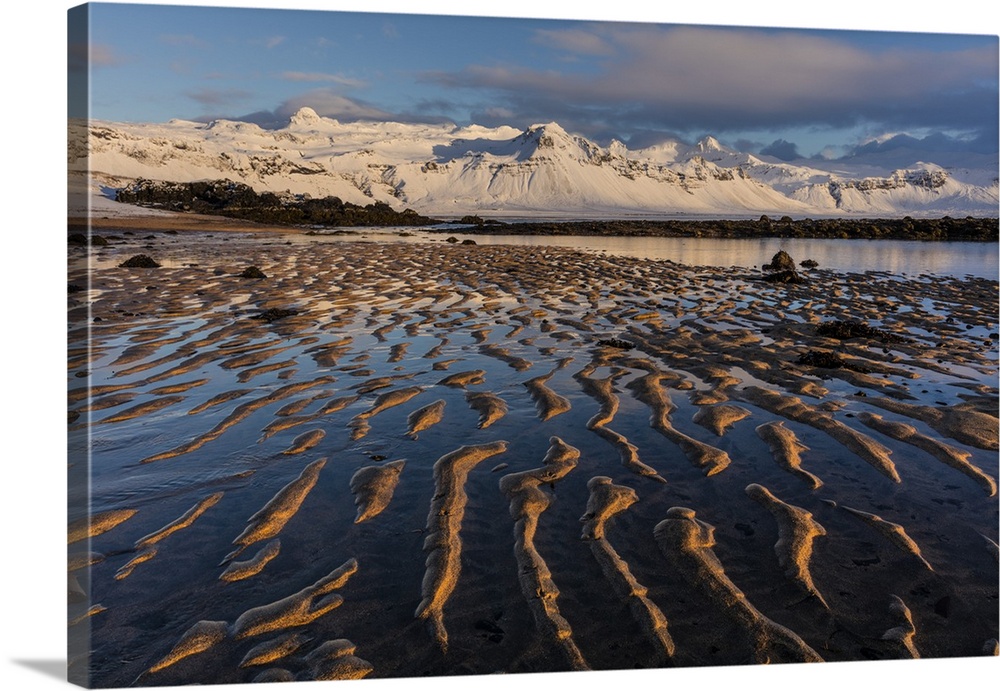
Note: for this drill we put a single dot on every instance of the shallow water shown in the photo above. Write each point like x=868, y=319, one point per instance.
x=357, y=303
x=898, y=257
x=904, y=257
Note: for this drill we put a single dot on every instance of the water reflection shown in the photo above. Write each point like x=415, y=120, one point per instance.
x=896, y=256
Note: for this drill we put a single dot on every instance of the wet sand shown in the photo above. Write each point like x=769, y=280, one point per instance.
x=254, y=521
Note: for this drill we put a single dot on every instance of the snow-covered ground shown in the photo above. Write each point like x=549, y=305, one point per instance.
x=447, y=170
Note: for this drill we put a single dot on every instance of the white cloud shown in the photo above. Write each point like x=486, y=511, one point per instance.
x=575, y=41
x=219, y=97
x=340, y=79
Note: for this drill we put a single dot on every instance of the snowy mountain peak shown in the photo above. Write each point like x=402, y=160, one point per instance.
x=547, y=135
x=306, y=117
x=443, y=170
x=708, y=145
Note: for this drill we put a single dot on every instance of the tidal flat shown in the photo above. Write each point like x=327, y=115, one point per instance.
x=409, y=459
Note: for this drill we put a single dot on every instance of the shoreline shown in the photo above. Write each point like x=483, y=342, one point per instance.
x=943, y=229
x=180, y=222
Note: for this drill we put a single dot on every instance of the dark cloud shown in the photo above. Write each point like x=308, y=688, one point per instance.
x=330, y=104
x=935, y=142
x=782, y=150
x=717, y=79
x=749, y=145
x=941, y=148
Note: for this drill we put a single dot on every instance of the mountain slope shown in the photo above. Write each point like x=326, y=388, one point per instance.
x=447, y=170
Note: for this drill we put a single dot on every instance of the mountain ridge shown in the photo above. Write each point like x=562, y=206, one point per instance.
x=450, y=170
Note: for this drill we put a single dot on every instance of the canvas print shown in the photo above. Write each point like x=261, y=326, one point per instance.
x=417, y=346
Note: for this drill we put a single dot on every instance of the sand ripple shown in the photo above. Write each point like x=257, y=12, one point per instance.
x=527, y=502
x=786, y=449
x=273, y=516
x=687, y=542
x=607, y=499
x=443, y=543
x=373, y=487
x=796, y=531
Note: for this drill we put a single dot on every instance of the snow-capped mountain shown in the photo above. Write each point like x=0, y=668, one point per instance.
x=445, y=170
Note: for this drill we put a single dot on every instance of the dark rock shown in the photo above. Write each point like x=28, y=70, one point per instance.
x=816, y=358
x=74, y=288
x=809, y=263
x=468, y=241
x=140, y=261
x=252, y=272
x=843, y=330
x=72, y=416
x=81, y=239
x=451, y=239
x=274, y=314
x=782, y=261
x=615, y=343
x=790, y=276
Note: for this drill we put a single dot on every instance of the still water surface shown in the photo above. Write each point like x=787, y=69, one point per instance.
x=895, y=256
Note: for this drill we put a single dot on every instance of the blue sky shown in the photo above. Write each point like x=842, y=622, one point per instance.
x=781, y=91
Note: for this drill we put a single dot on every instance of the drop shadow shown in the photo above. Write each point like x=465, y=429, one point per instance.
x=50, y=668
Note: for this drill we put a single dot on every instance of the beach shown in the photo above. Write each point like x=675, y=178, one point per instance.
x=385, y=459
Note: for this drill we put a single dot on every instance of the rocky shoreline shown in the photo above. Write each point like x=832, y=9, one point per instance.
x=907, y=228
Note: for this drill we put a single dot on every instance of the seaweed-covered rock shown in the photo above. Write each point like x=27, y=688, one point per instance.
x=615, y=343
x=140, y=261
x=781, y=261
x=82, y=239
x=843, y=330
x=274, y=314
x=252, y=272
x=828, y=360
x=789, y=276
x=818, y=358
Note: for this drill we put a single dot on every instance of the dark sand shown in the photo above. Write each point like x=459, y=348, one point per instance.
x=361, y=332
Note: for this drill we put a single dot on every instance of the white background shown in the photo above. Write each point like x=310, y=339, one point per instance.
x=32, y=426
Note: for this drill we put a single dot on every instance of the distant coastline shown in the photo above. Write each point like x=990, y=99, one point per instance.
x=924, y=229
x=943, y=229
